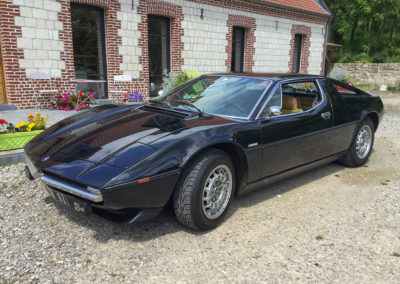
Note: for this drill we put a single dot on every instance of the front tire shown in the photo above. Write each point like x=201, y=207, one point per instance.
x=361, y=147
x=205, y=190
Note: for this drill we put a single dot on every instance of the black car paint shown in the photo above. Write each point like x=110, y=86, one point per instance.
x=112, y=147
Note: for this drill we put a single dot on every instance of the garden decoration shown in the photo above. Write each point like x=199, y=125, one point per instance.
x=15, y=137
x=73, y=100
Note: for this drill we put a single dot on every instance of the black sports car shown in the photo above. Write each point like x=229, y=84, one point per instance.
x=200, y=144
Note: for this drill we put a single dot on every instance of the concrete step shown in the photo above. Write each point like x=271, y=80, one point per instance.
x=7, y=107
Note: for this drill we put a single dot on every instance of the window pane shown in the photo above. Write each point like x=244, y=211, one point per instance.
x=159, y=51
x=300, y=96
x=298, y=42
x=88, y=44
x=238, y=36
x=276, y=100
x=344, y=90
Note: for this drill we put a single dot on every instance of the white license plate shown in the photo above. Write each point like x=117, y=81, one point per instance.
x=65, y=200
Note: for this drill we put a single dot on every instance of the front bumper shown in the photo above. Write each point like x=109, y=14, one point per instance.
x=128, y=203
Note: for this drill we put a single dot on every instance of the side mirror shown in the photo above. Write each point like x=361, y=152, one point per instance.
x=274, y=111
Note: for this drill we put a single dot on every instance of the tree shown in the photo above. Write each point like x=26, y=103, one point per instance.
x=367, y=29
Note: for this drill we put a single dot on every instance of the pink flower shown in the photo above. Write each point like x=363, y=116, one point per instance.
x=60, y=107
x=77, y=108
x=81, y=107
x=65, y=95
x=65, y=109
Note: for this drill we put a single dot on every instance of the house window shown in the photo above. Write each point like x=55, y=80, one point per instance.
x=159, y=51
x=237, y=60
x=89, y=49
x=298, y=45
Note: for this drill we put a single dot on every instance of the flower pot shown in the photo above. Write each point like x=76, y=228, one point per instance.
x=16, y=140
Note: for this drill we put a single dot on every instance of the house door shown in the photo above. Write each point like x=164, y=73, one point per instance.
x=159, y=51
x=3, y=96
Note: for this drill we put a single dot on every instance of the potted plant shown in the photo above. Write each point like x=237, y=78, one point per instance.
x=73, y=100
x=15, y=137
x=135, y=97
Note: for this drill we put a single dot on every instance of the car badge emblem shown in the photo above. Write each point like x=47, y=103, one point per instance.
x=45, y=158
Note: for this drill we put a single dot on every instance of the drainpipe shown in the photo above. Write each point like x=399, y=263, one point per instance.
x=327, y=28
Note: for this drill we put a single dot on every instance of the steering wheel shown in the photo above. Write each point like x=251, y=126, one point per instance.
x=236, y=107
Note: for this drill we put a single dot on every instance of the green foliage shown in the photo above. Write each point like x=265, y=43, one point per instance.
x=339, y=74
x=369, y=30
x=181, y=78
x=168, y=80
x=172, y=80
x=10, y=128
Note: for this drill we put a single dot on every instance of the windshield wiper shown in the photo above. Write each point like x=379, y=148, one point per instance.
x=189, y=103
x=159, y=102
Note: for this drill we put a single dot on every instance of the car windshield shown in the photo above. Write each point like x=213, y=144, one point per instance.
x=220, y=95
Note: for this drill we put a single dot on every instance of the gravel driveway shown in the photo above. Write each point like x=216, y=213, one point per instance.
x=331, y=224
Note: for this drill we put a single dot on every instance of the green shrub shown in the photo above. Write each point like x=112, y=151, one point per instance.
x=171, y=79
x=339, y=74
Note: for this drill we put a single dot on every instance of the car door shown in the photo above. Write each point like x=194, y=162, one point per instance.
x=299, y=136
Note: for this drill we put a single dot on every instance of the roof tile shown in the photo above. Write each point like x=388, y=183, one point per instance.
x=307, y=5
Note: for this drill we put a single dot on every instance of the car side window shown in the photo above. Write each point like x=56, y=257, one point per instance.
x=276, y=100
x=294, y=97
x=342, y=89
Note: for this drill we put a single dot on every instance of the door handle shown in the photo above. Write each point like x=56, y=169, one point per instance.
x=326, y=115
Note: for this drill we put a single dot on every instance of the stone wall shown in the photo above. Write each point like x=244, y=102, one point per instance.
x=373, y=73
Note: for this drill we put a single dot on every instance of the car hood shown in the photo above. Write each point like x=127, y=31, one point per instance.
x=116, y=136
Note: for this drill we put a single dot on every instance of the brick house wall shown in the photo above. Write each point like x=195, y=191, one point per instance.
x=36, y=38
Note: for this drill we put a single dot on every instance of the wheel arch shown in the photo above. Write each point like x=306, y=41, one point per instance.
x=236, y=153
x=373, y=116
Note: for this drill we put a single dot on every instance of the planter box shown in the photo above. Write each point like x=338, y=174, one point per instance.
x=16, y=140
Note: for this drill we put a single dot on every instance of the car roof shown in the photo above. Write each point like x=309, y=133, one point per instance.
x=270, y=76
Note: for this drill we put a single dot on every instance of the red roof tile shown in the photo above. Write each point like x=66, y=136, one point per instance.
x=307, y=5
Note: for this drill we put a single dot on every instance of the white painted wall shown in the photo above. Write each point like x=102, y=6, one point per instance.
x=205, y=40
x=130, y=35
x=40, y=37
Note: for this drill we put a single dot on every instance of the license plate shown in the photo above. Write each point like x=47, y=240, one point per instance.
x=67, y=200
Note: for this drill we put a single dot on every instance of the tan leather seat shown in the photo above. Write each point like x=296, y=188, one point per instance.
x=290, y=105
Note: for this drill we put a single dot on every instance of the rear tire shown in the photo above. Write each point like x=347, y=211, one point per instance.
x=361, y=147
x=205, y=190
